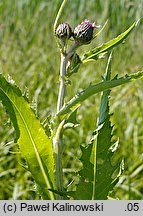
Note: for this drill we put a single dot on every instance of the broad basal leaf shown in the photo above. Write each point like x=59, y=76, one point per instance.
x=95, y=53
x=34, y=144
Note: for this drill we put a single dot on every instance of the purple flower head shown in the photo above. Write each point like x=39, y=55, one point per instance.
x=88, y=23
x=83, y=33
x=92, y=25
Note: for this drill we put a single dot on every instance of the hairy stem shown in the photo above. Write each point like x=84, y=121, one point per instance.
x=57, y=141
x=72, y=50
x=64, y=59
x=62, y=87
x=57, y=145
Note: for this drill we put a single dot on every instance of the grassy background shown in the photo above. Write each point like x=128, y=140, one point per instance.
x=28, y=53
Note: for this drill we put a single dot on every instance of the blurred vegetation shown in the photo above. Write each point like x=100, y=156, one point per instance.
x=28, y=53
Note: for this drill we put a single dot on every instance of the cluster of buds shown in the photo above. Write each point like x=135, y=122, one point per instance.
x=82, y=34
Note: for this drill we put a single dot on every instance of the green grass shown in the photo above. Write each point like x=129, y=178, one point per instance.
x=28, y=53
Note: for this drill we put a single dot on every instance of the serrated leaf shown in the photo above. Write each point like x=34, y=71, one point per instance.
x=64, y=194
x=96, y=176
x=103, y=112
x=104, y=181
x=94, y=89
x=34, y=144
x=85, y=186
x=95, y=53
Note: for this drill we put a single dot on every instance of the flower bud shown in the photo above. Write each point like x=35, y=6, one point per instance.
x=83, y=33
x=64, y=31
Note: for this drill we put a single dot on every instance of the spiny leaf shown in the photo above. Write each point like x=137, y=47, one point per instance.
x=104, y=108
x=34, y=144
x=94, y=89
x=85, y=186
x=95, y=53
x=105, y=148
x=96, y=176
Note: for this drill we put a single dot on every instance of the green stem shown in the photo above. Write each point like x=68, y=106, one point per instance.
x=63, y=68
x=57, y=140
x=62, y=87
x=57, y=145
x=72, y=50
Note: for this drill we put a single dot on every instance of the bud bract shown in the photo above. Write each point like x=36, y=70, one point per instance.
x=64, y=31
x=83, y=33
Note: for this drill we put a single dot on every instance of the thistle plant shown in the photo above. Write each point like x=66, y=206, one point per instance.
x=43, y=153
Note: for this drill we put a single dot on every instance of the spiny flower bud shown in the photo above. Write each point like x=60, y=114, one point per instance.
x=64, y=31
x=83, y=33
